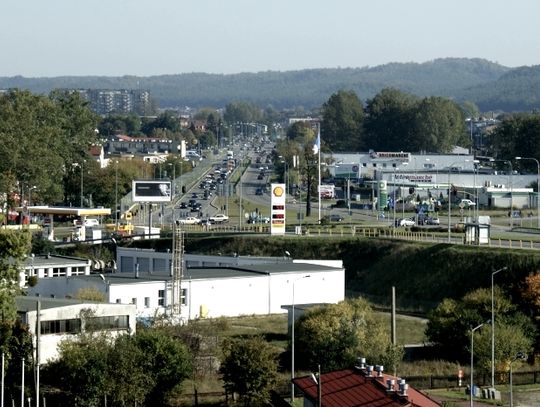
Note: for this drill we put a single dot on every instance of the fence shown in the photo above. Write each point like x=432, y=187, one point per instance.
x=483, y=380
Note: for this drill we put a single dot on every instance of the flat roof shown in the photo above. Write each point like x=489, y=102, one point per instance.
x=53, y=260
x=58, y=210
x=203, y=273
x=26, y=304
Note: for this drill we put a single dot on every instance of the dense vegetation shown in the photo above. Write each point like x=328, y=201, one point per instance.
x=462, y=79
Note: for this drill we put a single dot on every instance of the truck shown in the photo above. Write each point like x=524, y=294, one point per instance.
x=327, y=191
x=230, y=154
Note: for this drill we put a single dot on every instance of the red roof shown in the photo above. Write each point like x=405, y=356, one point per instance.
x=354, y=388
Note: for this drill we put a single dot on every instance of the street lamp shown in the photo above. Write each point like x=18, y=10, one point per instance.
x=493, y=327
x=519, y=356
x=450, y=200
x=292, y=336
x=537, y=185
x=402, y=195
x=471, y=391
x=116, y=195
x=173, y=191
x=511, y=182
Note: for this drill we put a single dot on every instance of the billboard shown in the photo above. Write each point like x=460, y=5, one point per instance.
x=151, y=191
x=277, y=212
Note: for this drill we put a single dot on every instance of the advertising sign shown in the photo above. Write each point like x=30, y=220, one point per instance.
x=151, y=191
x=277, y=209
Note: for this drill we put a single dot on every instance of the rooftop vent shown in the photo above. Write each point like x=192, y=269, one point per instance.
x=403, y=387
x=361, y=363
x=390, y=385
x=369, y=370
x=379, y=369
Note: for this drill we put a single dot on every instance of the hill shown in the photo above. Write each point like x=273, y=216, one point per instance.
x=491, y=85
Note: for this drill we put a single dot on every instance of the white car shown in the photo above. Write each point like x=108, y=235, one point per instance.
x=190, y=220
x=465, y=203
x=406, y=222
x=89, y=222
x=219, y=218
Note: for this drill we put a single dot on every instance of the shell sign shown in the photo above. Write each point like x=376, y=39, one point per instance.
x=277, y=210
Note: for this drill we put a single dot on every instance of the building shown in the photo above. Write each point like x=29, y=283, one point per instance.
x=119, y=101
x=210, y=291
x=366, y=387
x=53, y=266
x=64, y=319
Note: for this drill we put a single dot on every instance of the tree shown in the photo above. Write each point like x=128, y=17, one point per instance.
x=166, y=360
x=388, y=120
x=335, y=335
x=450, y=323
x=241, y=112
x=249, y=368
x=518, y=135
x=439, y=125
x=342, y=120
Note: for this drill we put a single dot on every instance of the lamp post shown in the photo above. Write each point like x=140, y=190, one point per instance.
x=450, y=200
x=82, y=181
x=471, y=392
x=292, y=335
x=519, y=356
x=510, y=181
x=116, y=195
x=402, y=195
x=173, y=189
x=537, y=185
x=493, y=326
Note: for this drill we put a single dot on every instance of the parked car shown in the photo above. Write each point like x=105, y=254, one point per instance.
x=182, y=205
x=336, y=218
x=190, y=220
x=408, y=222
x=219, y=218
x=259, y=191
x=90, y=222
x=432, y=221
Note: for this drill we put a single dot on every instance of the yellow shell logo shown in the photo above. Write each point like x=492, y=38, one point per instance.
x=278, y=191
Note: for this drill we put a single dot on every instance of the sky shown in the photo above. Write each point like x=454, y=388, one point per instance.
x=47, y=38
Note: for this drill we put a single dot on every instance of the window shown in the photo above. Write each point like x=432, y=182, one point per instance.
x=58, y=271
x=161, y=298
x=147, y=302
x=183, y=296
x=61, y=326
x=134, y=300
x=108, y=322
x=118, y=301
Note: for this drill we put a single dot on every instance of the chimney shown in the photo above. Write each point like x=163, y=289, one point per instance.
x=390, y=385
x=361, y=363
x=403, y=387
x=379, y=369
x=369, y=370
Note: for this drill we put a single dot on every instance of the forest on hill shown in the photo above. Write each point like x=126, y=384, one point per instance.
x=490, y=85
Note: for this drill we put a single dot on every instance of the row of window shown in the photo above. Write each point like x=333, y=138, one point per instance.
x=161, y=299
x=73, y=326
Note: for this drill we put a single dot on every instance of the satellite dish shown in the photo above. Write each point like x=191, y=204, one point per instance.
x=287, y=253
x=314, y=378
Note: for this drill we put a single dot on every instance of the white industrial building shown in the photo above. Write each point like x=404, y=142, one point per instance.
x=64, y=319
x=257, y=287
x=42, y=266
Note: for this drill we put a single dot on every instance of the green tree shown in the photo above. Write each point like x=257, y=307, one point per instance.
x=518, y=135
x=166, y=361
x=249, y=368
x=242, y=112
x=335, y=335
x=439, y=125
x=450, y=323
x=388, y=120
x=342, y=121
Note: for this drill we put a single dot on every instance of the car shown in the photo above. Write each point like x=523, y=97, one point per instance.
x=465, y=203
x=194, y=195
x=405, y=222
x=336, y=218
x=432, y=221
x=190, y=220
x=219, y=218
x=90, y=222
x=182, y=205
x=260, y=176
x=259, y=191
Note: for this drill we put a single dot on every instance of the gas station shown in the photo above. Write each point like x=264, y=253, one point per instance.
x=82, y=213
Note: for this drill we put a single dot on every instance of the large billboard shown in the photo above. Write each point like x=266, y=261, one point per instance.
x=277, y=212
x=151, y=191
